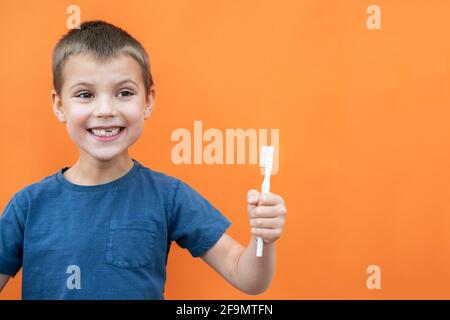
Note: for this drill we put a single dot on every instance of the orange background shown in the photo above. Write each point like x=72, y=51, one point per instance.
x=363, y=118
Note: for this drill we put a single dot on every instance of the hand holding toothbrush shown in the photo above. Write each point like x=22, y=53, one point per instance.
x=267, y=212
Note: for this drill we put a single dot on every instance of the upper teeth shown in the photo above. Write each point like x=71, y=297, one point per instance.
x=105, y=132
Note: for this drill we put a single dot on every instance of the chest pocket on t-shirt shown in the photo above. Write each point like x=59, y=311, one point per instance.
x=130, y=243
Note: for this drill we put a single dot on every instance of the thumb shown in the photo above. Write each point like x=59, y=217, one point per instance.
x=253, y=196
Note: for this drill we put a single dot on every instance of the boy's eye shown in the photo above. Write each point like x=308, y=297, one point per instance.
x=125, y=93
x=84, y=94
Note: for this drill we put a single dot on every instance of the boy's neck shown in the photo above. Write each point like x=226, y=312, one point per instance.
x=88, y=171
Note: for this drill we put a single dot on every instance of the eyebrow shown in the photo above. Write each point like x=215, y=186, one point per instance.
x=87, y=84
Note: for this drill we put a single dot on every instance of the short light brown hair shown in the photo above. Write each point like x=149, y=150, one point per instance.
x=104, y=41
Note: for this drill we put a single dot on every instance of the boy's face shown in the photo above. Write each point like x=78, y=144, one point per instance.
x=103, y=103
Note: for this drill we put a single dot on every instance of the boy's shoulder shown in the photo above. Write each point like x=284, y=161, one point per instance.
x=36, y=186
x=158, y=176
x=44, y=186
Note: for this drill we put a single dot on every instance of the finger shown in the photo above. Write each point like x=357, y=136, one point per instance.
x=252, y=196
x=267, y=223
x=268, y=235
x=267, y=211
x=269, y=199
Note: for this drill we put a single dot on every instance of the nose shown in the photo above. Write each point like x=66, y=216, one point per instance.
x=104, y=107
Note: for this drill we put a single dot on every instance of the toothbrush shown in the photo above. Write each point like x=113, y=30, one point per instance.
x=266, y=162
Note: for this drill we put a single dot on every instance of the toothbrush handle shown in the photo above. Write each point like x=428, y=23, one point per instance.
x=259, y=247
x=264, y=189
x=266, y=183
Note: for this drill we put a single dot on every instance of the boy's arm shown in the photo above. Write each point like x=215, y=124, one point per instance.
x=3, y=280
x=240, y=266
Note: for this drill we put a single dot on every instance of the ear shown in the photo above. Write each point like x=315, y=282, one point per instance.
x=150, y=102
x=58, y=109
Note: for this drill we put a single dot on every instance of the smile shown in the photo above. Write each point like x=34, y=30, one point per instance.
x=106, y=134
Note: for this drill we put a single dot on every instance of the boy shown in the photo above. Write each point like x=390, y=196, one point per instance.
x=102, y=228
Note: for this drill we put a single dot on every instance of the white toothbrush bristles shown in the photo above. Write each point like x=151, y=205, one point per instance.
x=266, y=162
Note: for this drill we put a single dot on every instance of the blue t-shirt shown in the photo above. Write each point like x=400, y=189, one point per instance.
x=109, y=241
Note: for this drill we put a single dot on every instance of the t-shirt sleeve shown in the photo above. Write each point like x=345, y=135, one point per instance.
x=11, y=240
x=195, y=224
